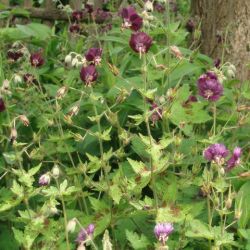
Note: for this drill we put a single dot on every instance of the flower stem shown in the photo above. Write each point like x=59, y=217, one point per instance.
x=64, y=216
x=144, y=70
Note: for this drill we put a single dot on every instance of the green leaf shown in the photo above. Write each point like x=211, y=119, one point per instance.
x=136, y=241
x=198, y=229
x=115, y=193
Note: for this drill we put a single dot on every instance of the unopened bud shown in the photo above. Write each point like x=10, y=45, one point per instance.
x=55, y=171
x=6, y=85
x=68, y=59
x=230, y=73
x=17, y=79
x=44, y=180
x=176, y=51
x=24, y=120
x=13, y=135
x=73, y=111
x=237, y=214
x=61, y=92
x=71, y=226
x=228, y=203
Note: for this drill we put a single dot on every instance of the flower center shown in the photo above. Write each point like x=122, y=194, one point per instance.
x=208, y=93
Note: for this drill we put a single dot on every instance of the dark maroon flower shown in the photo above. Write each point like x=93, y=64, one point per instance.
x=14, y=55
x=159, y=7
x=140, y=42
x=217, y=63
x=235, y=159
x=2, y=105
x=89, y=8
x=94, y=55
x=88, y=74
x=157, y=112
x=173, y=6
x=29, y=78
x=36, y=59
x=190, y=25
x=209, y=86
x=162, y=231
x=77, y=15
x=74, y=28
x=101, y=16
x=84, y=233
x=191, y=98
x=131, y=19
x=216, y=153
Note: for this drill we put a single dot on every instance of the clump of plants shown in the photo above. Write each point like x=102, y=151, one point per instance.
x=119, y=136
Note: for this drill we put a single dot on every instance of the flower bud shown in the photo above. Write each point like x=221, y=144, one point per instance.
x=68, y=59
x=24, y=120
x=228, y=203
x=71, y=226
x=55, y=171
x=73, y=111
x=61, y=92
x=44, y=180
x=176, y=51
x=237, y=214
x=17, y=79
x=13, y=135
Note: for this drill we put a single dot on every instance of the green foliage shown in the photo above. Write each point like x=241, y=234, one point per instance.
x=126, y=152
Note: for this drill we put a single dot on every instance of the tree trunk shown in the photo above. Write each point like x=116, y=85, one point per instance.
x=225, y=27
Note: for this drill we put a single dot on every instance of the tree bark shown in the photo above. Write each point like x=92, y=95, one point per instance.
x=225, y=27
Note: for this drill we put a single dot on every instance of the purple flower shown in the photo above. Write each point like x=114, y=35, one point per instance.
x=36, y=59
x=140, y=42
x=131, y=19
x=2, y=105
x=90, y=229
x=101, y=16
x=84, y=233
x=74, y=28
x=77, y=15
x=209, y=86
x=235, y=159
x=94, y=55
x=191, y=99
x=44, y=180
x=29, y=78
x=14, y=55
x=216, y=153
x=190, y=25
x=89, y=8
x=159, y=7
x=88, y=74
x=157, y=114
x=162, y=231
